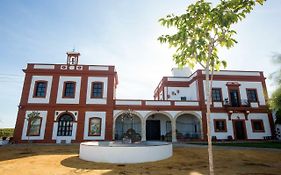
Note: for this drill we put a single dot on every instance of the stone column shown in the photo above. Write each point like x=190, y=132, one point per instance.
x=174, y=134
x=113, y=129
x=143, y=130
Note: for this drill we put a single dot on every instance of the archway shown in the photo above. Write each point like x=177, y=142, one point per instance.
x=188, y=127
x=126, y=124
x=158, y=127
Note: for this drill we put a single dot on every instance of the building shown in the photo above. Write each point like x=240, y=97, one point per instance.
x=77, y=103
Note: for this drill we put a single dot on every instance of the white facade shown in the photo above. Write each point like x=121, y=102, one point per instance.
x=189, y=93
x=102, y=100
x=46, y=99
x=249, y=130
x=181, y=72
x=76, y=99
x=24, y=136
x=258, y=135
x=178, y=106
x=64, y=139
x=90, y=114
x=242, y=89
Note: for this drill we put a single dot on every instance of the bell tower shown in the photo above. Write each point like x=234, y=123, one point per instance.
x=72, y=58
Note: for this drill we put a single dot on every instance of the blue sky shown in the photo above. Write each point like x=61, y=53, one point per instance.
x=121, y=33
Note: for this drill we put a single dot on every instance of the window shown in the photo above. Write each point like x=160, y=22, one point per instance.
x=65, y=124
x=220, y=125
x=40, y=89
x=252, y=95
x=34, y=126
x=257, y=125
x=69, y=90
x=94, y=126
x=216, y=94
x=168, y=126
x=183, y=98
x=97, y=90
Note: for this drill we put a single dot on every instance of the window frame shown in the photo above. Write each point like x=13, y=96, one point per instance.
x=253, y=127
x=29, y=127
x=256, y=92
x=89, y=126
x=220, y=92
x=36, y=86
x=183, y=98
x=64, y=89
x=220, y=120
x=92, y=89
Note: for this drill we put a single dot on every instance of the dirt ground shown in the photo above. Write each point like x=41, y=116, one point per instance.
x=62, y=160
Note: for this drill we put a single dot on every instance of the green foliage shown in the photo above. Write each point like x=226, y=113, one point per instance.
x=6, y=132
x=275, y=101
x=275, y=104
x=200, y=32
x=202, y=29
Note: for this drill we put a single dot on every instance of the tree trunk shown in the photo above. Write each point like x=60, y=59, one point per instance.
x=208, y=90
x=210, y=149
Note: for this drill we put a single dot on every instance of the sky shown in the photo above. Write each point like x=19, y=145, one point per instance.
x=122, y=33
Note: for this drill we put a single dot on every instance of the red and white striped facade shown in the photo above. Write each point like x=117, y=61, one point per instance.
x=178, y=108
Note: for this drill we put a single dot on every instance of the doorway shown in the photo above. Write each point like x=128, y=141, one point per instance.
x=239, y=129
x=234, y=97
x=153, y=130
x=65, y=125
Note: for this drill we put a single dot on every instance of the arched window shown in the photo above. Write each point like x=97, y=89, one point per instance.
x=65, y=124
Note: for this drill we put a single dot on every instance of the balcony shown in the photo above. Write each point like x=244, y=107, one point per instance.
x=240, y=103
x=159, y=103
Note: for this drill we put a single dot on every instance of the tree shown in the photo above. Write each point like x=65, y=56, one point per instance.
x=275, y=104
x=275, y=101
x=31, y=119
x=201, y=30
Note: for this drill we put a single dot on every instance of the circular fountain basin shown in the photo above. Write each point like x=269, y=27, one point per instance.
x=117, y=152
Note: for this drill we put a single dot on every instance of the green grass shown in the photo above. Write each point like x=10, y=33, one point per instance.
x=261, y=144
x=6, y=132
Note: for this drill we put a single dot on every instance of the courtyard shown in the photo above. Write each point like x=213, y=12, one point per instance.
x=186, y=159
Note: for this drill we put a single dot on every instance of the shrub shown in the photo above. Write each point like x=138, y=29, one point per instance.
x=6, y=132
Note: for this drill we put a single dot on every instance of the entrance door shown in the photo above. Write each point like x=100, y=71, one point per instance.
x=153, y=130
x=239, y=130
x=234, y=97
x=65, y=125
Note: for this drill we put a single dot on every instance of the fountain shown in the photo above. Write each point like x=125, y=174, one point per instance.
x=119, y=152
x=129, y=150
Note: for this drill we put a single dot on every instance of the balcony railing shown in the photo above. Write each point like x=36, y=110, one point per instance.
x=241, y=103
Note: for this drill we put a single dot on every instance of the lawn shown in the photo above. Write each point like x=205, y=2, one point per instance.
x=266, y=144
x=63, y=160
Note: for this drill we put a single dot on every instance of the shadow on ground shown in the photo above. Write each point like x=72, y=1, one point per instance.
x=168, y=167
x=9, y=152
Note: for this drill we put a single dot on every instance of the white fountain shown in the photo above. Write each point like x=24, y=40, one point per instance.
x=129, y=150
x=118, y=152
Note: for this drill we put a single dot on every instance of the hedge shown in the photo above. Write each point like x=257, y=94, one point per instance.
x=6, y=132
